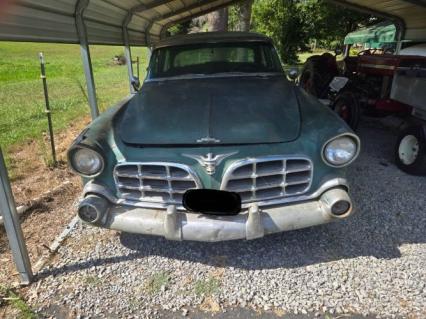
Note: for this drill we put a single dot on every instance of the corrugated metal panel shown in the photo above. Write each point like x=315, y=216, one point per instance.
x=60, y=6
x=137, y=38
x=19, y=23
x=126, y=3
x=102, y=11
x=138, y=23
x=104, y=34
x=411, y=12
x=53, y=21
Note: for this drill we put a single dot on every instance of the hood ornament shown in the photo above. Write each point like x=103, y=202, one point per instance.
x=209, y=162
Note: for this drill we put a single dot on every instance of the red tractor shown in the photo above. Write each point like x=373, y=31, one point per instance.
x=377, y=82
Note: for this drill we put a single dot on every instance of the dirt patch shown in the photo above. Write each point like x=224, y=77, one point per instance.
x=31, y=177
x=30, y=167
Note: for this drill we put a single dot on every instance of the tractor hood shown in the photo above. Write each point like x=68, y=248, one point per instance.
x=212, y=110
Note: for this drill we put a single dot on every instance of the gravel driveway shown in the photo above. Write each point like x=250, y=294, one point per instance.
x=371, y=264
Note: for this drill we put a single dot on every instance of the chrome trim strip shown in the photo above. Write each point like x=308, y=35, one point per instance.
x=378, y=66
x=94, y=188
x=227, y=176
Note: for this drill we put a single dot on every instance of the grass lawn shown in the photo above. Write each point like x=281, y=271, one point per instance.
x=22, y=114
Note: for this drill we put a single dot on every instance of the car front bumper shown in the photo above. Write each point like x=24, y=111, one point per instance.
x=249, y=224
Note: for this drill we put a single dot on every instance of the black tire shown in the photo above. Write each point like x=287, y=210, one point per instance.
x=309, y=79
x=317, y=73
x=347, y=106
x=417, y=164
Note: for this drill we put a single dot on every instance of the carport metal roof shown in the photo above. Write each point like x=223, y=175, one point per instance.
x=54, y=20
x=146, y=20
x=408, y=15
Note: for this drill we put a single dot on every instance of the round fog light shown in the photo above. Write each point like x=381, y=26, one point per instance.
x=340, y=207
x=88, y=213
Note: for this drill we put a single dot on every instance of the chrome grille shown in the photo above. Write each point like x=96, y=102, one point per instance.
x=154, y=182
x=260, y=179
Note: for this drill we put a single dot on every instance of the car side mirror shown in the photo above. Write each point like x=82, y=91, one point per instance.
x=136, y=83
x=293, y=73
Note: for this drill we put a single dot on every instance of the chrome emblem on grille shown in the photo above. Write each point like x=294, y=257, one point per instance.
x=210, y=161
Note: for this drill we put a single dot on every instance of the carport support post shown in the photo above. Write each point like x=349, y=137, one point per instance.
x=128, y=51
x=85, y=57
x=128, y=54
x=13, y=226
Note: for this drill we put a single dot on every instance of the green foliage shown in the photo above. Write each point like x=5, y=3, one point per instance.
x=157, y=281
x=330, y=23
x=294, y=24
x=207, y=287
x=181, y=28
x=282, y=21
x=15, y=301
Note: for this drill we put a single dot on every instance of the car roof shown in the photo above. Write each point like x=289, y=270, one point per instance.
x=212, y=37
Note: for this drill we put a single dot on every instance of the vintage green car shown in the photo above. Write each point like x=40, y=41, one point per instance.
x=216, y=145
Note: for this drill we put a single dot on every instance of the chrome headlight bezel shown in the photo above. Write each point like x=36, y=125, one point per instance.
x=71, y=160
x=351, y=136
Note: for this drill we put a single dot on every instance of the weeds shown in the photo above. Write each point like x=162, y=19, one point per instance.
x=9, y=297
x=93, y=280
x=207, y=287
x=157, y=281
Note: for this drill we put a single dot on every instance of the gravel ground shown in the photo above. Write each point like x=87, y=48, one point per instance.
x=371, y=264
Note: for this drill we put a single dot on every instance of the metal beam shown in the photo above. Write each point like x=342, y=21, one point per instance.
x=138, y=9
x=13, y=227
x=80, y=7
x=399, y=22
x=417, y=2
x=201, y=13
x=127, y=50
x=175, y=13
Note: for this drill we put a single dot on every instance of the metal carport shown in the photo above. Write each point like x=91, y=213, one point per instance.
x=136, y=23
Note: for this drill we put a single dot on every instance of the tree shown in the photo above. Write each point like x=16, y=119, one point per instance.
x=282, y=21
x=218, y=20
x=243, y=16
x=330, y=23
x=181, y=28
x=292, y=24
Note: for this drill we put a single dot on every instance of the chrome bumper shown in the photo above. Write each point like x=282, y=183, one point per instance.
x=254, y=223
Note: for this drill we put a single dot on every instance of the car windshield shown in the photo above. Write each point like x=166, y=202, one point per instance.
x=213, y=59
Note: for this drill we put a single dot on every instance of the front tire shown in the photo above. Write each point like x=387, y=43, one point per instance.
x=410, y=151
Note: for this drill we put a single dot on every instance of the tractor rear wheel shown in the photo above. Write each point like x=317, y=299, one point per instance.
x=347, y=106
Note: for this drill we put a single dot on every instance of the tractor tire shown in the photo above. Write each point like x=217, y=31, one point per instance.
x=310, y=78
x=317, y=73
x=347, y=106
x=410, y=151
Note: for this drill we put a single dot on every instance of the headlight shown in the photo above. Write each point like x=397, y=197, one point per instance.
x=86, y=161
x=341, y=150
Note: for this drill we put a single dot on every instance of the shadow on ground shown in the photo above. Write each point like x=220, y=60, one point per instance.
x=390, y=212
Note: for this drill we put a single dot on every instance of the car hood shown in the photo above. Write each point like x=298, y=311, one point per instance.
x=220, y=110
